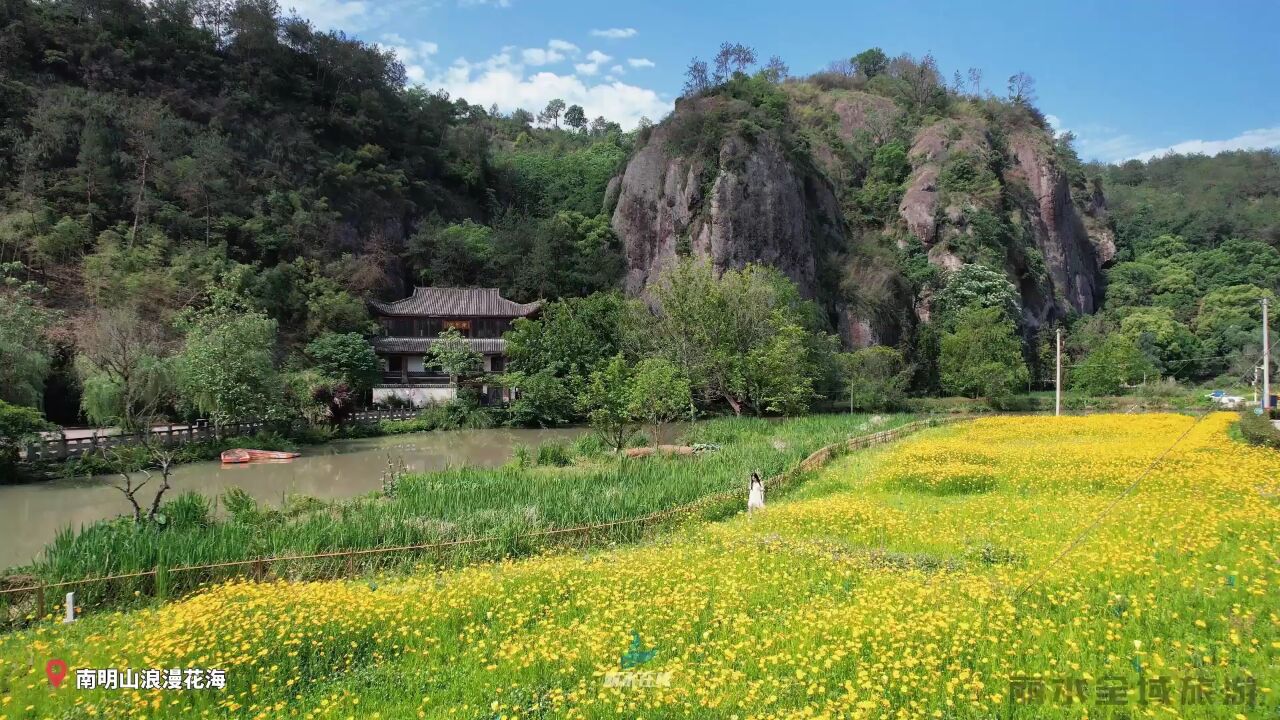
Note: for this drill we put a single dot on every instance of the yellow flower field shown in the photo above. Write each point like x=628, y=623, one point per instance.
x=935, y=579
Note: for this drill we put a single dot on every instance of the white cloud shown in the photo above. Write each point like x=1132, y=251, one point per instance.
x=595, y=59
x=414, y=56
x=555, y=51
x=615, y=33
x=332, y=14
x=640, y=62
x=540, y=56
x=499, y=80
x=617, y=70
x=478, y=3
x=1248, y=140
x=1054, y=122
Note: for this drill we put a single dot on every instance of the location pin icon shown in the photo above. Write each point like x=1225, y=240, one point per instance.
x=56, y=670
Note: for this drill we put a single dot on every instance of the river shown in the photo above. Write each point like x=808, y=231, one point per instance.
x=32, y=514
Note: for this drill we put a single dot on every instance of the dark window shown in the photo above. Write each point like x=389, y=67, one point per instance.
x=395, y=362
x=497, y=363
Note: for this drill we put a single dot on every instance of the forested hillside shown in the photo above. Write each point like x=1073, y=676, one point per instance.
x=153, y=151
x=183, y=171
x=1196, y=241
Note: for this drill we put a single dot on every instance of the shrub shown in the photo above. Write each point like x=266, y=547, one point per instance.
x=1258, y=430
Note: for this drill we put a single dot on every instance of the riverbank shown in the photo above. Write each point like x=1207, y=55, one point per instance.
x=34, y=513
x=287, y=436
x=557, y=485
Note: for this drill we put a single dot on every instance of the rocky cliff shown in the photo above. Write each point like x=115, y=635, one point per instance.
x=1044, y=243
x=974, y=192
x=745, y=202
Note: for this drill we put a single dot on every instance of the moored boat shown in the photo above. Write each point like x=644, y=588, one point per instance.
x=244, y=455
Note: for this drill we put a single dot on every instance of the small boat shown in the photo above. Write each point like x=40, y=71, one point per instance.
x=242, y=455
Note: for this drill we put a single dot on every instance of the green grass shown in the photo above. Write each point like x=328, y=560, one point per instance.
x=552, y=487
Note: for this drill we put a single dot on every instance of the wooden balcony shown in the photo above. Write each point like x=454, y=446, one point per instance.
x=415, y=379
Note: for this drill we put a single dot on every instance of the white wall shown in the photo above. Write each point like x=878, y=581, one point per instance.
x=417, y=396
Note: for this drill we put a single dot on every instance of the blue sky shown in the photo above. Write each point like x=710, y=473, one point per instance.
x=1128, y=78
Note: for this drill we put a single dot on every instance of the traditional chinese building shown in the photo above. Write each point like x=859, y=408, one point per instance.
x=410, y=327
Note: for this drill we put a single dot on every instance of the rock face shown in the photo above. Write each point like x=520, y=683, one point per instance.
x=750, y=204
x=1073, y=242
x=1058, y=226
x=752, y=199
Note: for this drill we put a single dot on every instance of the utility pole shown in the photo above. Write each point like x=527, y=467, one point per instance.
x=1057, y=377
x=1266, y=359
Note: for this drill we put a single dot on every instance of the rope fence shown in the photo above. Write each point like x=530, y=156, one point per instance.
x=258, y=568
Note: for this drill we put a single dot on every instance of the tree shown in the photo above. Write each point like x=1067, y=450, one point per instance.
x=607, y=402
x=776, y=70
x=550, y=358
x=18, y=425
x=877, y=378
x=151, y=132
x=227, y=367
x=601, y=127
x=125, y=367
x=551, y=113
x=1230, y=318
x=659, y=393
x=871, y=63
x=696, y=77
x=976, y=285
x=521, y=117
x=159, y=459
x=975, y=81
x=982, y=356
x=346, y=358
x=745, y=338
x=24, y=348
x=1160, y=335
x=732, y=57
x=1114, y=363
x=1022, y=89
x=575, y=117
x=454, y=355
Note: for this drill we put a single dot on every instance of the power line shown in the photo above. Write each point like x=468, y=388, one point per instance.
x=1080, y=538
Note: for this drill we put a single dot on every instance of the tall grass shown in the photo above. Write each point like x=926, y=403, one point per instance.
x=568, y=486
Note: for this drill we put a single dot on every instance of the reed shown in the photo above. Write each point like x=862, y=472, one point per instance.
x=552, y=487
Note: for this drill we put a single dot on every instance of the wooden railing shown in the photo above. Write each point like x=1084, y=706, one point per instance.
x=422, y=379
x=63, y=448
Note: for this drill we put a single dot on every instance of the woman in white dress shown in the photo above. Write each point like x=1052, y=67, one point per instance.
x=755, y=497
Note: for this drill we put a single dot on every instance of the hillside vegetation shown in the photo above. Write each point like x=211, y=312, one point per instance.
x=181, y=173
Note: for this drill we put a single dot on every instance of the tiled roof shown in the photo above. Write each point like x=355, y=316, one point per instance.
x=456, y=302
x=485, y=346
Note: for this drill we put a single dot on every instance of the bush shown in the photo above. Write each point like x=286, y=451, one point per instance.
x=1258, y=430
x=453, y=415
